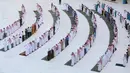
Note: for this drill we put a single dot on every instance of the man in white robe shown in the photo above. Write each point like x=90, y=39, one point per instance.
x=51, y=32
x=66, y=6
x=56, y=49
x=35, y=45
x=26, y=49
x=88, y=12
x=59, y=47
x=63, y=43
x=100, y=65
x=17, y=39
x=30, y=47
x=72, y=59
x=124, y=60
x=80, y=53
x=46, y=36
x=104, y=60
x=1, y=34
x=5, y=43
x=43, y=37
x=40, y=41
x=7, y=30
x=9, y=43
x=125, y=14
x=55, y=53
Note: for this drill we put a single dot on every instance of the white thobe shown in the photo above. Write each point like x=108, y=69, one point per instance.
x=125, y=14
x=51, y=32
x=104, y=60
x=30, y=48
x=1, y=36
x=59, y=47
x=87, y=12
x=43, y=39
x=26, y=49
x=124, y=61
x=72, y=60
x=5, y=43
x=99, y=66
x=46, y=36
x=56, y=50
x=35, y=45
x=9, y=43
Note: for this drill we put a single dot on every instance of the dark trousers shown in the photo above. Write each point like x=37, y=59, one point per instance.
x=23, y=37
x=21, y=22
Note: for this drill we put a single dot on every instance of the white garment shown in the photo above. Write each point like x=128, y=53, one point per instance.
x=72, y=59
x=5, y=44
x=88, y=12
x=99, y=66
x=30, y=48
x=104, y=60
x=1, y=36
x=125, y=14
x=26, y=49
x=9, y=43
x=124, y=61
x=59, y=48
x=51, y=32
x=35, y=45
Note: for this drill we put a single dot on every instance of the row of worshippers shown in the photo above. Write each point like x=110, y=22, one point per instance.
x=110, y=51
x=40, y=41
x=71, y=12
x=54, y=51
x=111, y=48
x=77, y=56
x=108, y=10
x=123, y=18
x=19, y=38
x=9, y=29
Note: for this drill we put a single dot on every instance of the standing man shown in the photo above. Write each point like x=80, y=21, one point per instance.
x=124, y=60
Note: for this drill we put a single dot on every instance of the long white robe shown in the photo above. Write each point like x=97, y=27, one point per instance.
x=72, y=59
x=46, y=36
x=1, y=36
x=30, y=48
x=51, y=32
x=99, y=65
x=35, y=45
x=9, y=43
x=125, y=14
x=59, y=48
x=26, y=49
x=5, y=43
x=124, y=61
x=104, y=60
